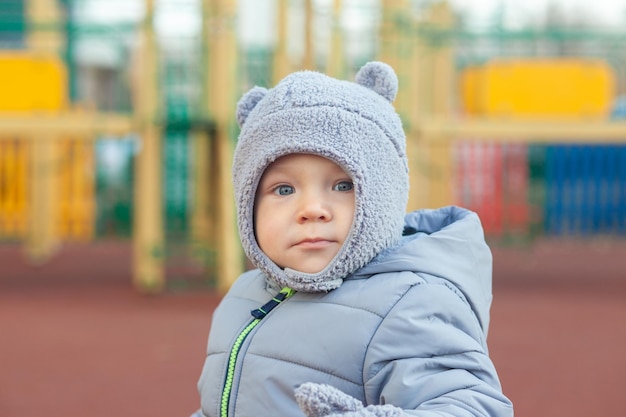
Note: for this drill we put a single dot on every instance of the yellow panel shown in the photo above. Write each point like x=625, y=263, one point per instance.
x=470, y=80
x=543, y=87
x=21, y=182
x=29, y=82
x=76, y=190
x=13, y=194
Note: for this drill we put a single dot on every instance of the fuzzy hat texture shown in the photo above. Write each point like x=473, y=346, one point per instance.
x=354, y=125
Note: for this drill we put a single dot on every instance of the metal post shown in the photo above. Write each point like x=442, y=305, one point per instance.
x=42, y=234
x=222, y=100
x=148, y=261
x=43, y=15
x=336, y=59
x=309, y=53
x=281, y=58
x=431, y=86
x=440, y=152
x=201, y=232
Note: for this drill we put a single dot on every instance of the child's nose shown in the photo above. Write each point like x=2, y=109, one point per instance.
x=314, y=208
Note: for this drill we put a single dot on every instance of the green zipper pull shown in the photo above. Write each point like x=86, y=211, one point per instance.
x=261, y=312
x=258, y=314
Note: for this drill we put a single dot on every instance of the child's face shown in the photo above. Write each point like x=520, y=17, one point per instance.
x=303, y=211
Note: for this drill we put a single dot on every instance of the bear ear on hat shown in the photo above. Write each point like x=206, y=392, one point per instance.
x=248, y=102
x=379, y=77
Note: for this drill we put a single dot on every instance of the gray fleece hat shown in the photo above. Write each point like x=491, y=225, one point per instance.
x=350, y=123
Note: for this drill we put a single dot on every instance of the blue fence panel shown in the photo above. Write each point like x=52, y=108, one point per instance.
x=585, y=190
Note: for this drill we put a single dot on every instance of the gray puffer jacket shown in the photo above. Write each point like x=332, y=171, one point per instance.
x=409, y=329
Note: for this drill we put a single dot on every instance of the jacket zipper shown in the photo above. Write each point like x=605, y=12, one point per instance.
x=258, y=315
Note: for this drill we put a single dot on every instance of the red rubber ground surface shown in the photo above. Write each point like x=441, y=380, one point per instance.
x=77, y=340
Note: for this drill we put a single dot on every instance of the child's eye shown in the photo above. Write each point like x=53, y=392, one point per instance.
x=284, y=190
x=344, y=186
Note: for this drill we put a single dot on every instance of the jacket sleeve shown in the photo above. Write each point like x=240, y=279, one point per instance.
x=429, y=357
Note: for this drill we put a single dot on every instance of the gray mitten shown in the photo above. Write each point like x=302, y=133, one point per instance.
x=319, y=400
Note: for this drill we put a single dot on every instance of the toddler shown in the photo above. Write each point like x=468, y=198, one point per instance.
x=356, y=309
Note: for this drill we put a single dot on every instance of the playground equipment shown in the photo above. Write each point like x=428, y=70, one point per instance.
x=539, y=88
x=35, y=83
x=46, y=193
x=574, y=188
x=47, y=146
x=467, y=121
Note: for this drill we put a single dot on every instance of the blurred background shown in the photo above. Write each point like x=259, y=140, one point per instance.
x=117, y=225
